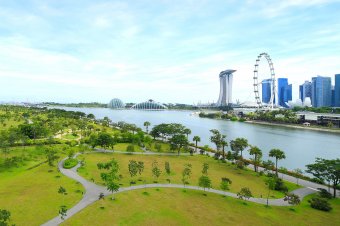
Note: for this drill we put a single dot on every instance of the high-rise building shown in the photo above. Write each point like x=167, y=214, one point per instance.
x=333, y=97
x=305, y=90
x=284, y=92
x=226, y=84
x=321, y=91
x=266, y=90
x=337, y=91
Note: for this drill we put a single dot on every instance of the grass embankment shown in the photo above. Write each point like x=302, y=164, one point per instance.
x=217, y=170
x=167, y=206
x=31, y=195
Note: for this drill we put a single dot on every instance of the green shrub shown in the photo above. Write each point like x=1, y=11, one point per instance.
x=320, y=204
x=130, y=148
x=323, y=193
x=70, y=163
x=280, y=186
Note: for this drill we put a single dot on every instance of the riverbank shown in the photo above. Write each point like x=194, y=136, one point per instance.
x=295, y=126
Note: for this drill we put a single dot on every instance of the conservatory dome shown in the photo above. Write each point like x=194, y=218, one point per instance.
x=116, y=104
x=149, y=105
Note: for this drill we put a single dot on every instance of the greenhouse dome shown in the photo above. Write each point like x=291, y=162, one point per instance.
x=149, y=105
x=116, y=104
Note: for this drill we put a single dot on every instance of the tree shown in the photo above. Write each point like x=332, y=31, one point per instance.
x=254, y=150
x=105, y=140
x=196, y=139
x=186, y=173
x=224, y=143
x=110, y=177
x=51, y=156
x=140, y=167
x=178, y=141
x=298, y=173
x=156, y=172
x=244, y=193
x=238, y=145
x=5, y=217
x=204, y=182
x=147, y=124
x=187, y=131
x=63, y=212
x=225, y=182
x=268, y=165
x=292, y=199
x=270, y=182
x=133, y=168
x=216, y=138
x=325, y=169
x=205, y=168
x=278, y=155
x=167, y=168
x=62, y=191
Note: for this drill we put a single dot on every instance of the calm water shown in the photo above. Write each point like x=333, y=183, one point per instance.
x=301, y=146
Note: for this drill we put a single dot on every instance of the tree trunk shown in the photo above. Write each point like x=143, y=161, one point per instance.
x=223, y=156
x=196, y=146
x=277, y=175
x=334, y=189
x=255, y=169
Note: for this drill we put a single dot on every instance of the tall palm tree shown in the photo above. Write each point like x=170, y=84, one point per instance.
x=224, y=143
x=277, y=154
x=254, y=150
x=147, y=124
x=187, y=131
x=196, y=139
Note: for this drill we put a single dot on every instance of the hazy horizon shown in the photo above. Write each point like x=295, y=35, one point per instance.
x=169, y=51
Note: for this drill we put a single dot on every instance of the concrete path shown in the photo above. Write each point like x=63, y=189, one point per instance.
x=92, y=190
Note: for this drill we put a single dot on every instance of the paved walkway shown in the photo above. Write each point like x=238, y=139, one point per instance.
x=93, y=190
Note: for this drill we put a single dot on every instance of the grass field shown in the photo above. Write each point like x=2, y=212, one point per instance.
x=217, y=170
x=179, y=207
x=31, y=195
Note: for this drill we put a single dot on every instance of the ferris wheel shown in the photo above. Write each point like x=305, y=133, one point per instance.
x=271, y=80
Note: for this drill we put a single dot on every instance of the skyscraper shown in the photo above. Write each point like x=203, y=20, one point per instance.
x=305, y=90
x=321, y=91
x=226, y=84
x=284, y=91
x=266, y=90
x=337, y=91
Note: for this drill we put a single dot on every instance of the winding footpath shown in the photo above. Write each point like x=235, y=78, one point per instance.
x=93, y=190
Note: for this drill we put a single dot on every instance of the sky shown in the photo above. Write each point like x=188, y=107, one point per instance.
x=171, y=51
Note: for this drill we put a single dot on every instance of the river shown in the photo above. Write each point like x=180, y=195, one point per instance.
x=301, y=146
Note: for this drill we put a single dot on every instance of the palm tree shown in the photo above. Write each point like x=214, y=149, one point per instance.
x=224, y=143
x=187, y=132
x=257, y=155
x=277, y=154
x=238, y=145
x=196, y=139
x=147, y=124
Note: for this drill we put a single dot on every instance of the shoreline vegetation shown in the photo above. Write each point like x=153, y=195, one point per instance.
x=282, y=118
x=294, y=126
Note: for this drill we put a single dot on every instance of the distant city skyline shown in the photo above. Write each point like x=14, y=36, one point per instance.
x=170, y=51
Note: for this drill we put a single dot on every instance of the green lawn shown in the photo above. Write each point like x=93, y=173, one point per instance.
x=31, y=195
x=69, y=136
x=168, y=206
x=217, y=170
x=123, y=146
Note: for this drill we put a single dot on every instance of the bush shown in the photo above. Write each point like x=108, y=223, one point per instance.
x=320, y=204
x=130, y=148
x=323, y=193
x=70, y=163
x=280, y=186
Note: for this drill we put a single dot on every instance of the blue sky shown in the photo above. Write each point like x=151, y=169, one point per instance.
x=170, y=51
